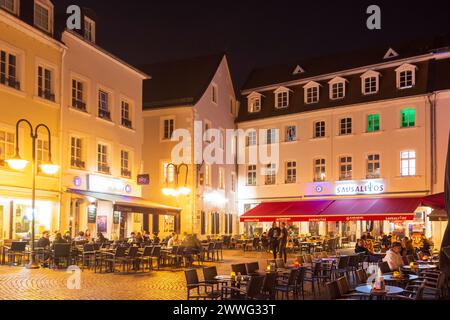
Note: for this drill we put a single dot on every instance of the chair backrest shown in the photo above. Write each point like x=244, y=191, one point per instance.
x=353, y=260
x=343, y=262
x=88, y=247
x=18, y=246
x=120, y=252
x=361, y=276
x=344, y=286
x=210, y=246
x=156, y=251
x=252, y=267
x=132, y=252
x=292, y=279
x=97, y=246
x=174, y=250
x=270, y=281
x=209, y=273
x=301, y=275
x=191, y=277
x=254, y=287
x=280, y=263
x=62, y=249
x=148, y=250
x=239, y=268
x=333, y=290
x=384, y=267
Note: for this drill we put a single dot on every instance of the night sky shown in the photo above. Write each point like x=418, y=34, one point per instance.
x=256, y=33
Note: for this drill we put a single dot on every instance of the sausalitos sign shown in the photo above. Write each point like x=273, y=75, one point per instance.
x=360, y=187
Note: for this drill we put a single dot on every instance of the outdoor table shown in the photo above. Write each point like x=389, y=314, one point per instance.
x=420, y=267
x=402, y=280
x=367, y=289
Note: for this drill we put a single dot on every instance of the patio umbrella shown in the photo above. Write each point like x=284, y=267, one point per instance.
x=444, y=256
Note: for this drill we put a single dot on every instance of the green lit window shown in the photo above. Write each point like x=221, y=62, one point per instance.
x=373, y=122
x=408, y=118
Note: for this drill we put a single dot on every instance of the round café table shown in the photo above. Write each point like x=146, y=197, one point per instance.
x=367, y=289
x=420, y=268
x=407, y=277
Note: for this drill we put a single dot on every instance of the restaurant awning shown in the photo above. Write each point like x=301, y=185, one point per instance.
x=436, y=201
x=374, y=209
x=126, y=203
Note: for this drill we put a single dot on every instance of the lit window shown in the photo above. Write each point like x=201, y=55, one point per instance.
x=251, y=175
x=103, y=105
x=373, y=166
x=407, y=163
x=408, y=118
x=346, y=126
x=270, y=177
x=78, y=101
x=76, y=153
x=42, y=17
x=282, y=99
x=8, y=70
x=373, y=122
x=319, y=170
x=7, y=144
x=126, y=115
x=45, y=83
x=125, y=164
x=291, y=133
x=291, y=172
x=251, y=138
x=319, y=129
x=345, y=168
x=102, y=159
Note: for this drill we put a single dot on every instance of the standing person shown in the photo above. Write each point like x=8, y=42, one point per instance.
x=274, y=234
x=283, y=241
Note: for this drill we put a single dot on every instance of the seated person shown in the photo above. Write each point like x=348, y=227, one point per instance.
x=44, y=241
x=361, y=247
x=393, y=257
x=100, y=238
x=80, y=236
x=132, y=238
x=67, y=236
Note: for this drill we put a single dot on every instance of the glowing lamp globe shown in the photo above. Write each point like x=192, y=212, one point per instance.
x=49, y=168
x=184, y=190
x=17, y=163
x=168, y=191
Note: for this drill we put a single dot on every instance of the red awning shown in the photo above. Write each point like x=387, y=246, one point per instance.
x=374, y=209
x=436, y=201
x=286, y=211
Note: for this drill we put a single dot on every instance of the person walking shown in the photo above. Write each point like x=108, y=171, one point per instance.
x=283, y=241
x=274, y=234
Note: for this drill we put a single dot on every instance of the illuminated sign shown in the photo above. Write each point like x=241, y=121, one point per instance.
x=107, y=185
x=77, y=181
x=360, y=187
x=143, y=179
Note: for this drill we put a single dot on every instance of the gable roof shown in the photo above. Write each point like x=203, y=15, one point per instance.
x=180, y=82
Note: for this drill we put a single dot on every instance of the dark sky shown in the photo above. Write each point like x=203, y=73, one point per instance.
x=256, y=33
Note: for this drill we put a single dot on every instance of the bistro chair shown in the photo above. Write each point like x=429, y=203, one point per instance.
x=210, y=274
x=268, y=291
x=300, y=283
x=110, y=259
x=156, y=256
x=289, y=285
x=218, y=250
x=341, y=267
x=87, y=255
x=17, y=250
x=384, y=267
x=316, y=275
x=410, y=295
x=145, y=257
x=361, y=276
x=252, y=290
x=346, y=291
x=252, y=268
x=280, y=264
x=131, y=258
x=353, y=265
x=239, y=269
x=60, y=252
x=203, y=290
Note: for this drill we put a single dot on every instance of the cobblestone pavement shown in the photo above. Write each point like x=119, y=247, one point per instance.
x=18, y=283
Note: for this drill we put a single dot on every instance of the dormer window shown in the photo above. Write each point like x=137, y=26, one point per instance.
x=43, y=16
x=9, y=5
x=370, y=82
x=311, y=92
x=282, y=98
x=89, y=29
x=254, y=102
x=406, y=76
x=337, y=88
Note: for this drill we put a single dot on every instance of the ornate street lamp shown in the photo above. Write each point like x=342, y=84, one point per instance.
x=17, y=163
x=179, y=190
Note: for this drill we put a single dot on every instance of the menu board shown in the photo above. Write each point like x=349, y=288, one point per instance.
x=92, y=214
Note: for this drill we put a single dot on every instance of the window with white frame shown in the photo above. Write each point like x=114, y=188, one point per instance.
x=9, y=5
x=8, y=69
x=345, y=168
x=103, y=105
x=221, y=178
x=169, y=173
x=251, y=138
x=254, y=104
x=125, y=164
x=319, y=170
x=408, y=163
x=76, y=153
x=337, y=88
x=312, y=93
x=251, y=175
x=406, y=76
x=282, y=99
x=78, y=95
x=271, y=136
x=345, y=126
x=214, y=94
x=291, y=172
x=168, y=128
x=373, y=166
x=102, y=159
x=319, y=129
x=125, y=111
x=270, y=177
x=89, y=29
x=370, y=82
x=291, y=134
x=7, y=146
x=42, y=16
x=42, y=153
x=45, y=83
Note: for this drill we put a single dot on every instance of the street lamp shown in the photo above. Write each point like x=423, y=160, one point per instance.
x=17, y=163
x=175, y=192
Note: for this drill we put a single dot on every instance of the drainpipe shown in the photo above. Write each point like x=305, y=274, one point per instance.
x=432, y=102
x=61, y=138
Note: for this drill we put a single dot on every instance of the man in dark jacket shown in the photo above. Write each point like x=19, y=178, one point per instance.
x=283, y=241
x=274, y=234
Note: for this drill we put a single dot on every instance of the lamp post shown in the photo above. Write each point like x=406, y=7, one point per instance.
x=17, y=163
x=175, y=192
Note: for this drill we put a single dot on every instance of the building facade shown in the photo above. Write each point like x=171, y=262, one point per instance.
x=194, y=95
x=349, y=127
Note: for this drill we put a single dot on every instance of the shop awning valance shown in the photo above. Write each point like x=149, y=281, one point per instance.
x=373, y=209
x=436, y=201
x=127, y=203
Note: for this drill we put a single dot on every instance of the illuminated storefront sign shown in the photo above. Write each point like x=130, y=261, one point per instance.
x=108, y=185
x=359, y=187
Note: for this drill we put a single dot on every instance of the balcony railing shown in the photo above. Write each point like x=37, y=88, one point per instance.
x=78, y=164
x=10, y=82
x=104, y=169
x=125, y=173
x=127, y=123
x=104, y=114
x=79, y=105
x=46, y=94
